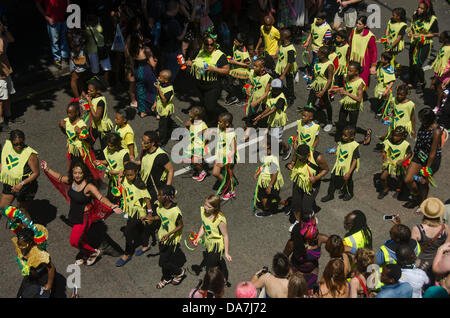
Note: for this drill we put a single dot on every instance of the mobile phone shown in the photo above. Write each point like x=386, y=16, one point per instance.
x=388, y=217
x=75, y=290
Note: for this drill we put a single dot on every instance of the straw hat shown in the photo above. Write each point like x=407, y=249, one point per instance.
x=432, y=208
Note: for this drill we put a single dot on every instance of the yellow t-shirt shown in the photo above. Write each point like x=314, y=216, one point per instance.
x=270, y=39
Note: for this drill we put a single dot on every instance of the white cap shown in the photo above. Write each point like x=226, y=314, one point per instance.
x=277, y=83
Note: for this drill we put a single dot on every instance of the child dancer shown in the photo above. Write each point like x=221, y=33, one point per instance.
x=164, y=105
x=196, y=151
x=307, y=129
x=385, y=82
x=269, y=183
x=396, y=154
x=171, y=257
x=136, y=203
x=124, y=130
x=77, y=139
x=275, y=113
x=395, y=33
x=226, y=157
x=214, y=228
x=347, y=161
x=286, y=66
x=342, y=51
x=239, y=71
x=441, y=67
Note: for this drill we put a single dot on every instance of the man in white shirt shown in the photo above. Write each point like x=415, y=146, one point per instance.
x=416, y=277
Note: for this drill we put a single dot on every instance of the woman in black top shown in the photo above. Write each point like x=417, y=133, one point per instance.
x=427, y=154
x=82, y=193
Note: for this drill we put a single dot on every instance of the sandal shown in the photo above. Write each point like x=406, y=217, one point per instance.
x=79, y=262
x=368, y=137
x=177, y=279
x=93, y=257
x=163, y=283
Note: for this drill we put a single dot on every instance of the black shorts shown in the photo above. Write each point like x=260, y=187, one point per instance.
x=274, y=195
x=434, y=166
x=27, y=193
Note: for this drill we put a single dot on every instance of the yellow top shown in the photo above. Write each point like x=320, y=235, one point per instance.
x=422, y=27
x=352, y=87
x=213, y=237
x=402, y=114
x=307, y=134
x=13, y=163
x=74, y=143
x=320, y=80
x=225, y=146
x=317, y=34
x=165, y=109
x=394, y=153
x=169, y=223
x=279, y=117
x=127, y=135
x=393, y=30
x=202, y=60
x=341, y=52
x=385, y=75
x=283, y=60
x=441, y=61
x=359, y=46
x=259, y=84
x=104, y=124
x=197, y=145
x=270, y=166
x=302, y=171
x=271, y=39
x=344, y=156
x=134, y=200
x=237, y=70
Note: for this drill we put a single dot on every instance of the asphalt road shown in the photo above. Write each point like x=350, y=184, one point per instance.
x=253, y=241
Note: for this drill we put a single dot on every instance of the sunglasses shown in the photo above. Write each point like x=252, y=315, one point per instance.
x=19, y=144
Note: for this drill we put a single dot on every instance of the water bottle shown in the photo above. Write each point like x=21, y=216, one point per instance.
x=205, y=66
x=156, y=33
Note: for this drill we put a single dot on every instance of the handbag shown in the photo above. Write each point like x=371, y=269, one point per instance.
x=102, y=51
x=119, y=42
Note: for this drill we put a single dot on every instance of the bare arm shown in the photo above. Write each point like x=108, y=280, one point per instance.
x=224, y=230
x=436, y=140
x=51, y=276
x=441, y=263
x=170, y=172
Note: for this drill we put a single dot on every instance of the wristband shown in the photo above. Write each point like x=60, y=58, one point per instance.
x=22, y=183
x=149, y=211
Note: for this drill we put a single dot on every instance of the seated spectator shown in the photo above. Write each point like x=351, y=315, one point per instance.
x=416, y=277
x=245, y=290
x=333, y=283
x=273, y=285
x=441, y=265
x=335, y=247
x=212, y=285
x=297, y=287
x=358, y=284
x=392, y=287
x=400, y=234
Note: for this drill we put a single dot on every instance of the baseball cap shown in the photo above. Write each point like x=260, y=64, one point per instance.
x=277, y=83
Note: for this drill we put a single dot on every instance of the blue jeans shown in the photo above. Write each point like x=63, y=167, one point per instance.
x=58, y=41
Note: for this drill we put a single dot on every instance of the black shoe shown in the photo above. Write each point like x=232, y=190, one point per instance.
x=232, y=101
x=228, y=284
x=347, y=197
x=4, y=127
x=411, y=204
x=327, y=198
x=263, y=214
x=381, y=195
x=197, y=269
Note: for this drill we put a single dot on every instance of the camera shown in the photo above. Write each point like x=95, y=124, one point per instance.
x=265, y=270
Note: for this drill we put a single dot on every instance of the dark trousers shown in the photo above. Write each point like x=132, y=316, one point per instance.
x=213, y=259
x=209, y=95
x=136, y=233
x=338, y=182
x=290, y=95
x=165, y=126
x=233, y=86
x=326, y=104
x=303, y=202
x=171, y=260
x=342, y=122
x=419, y=54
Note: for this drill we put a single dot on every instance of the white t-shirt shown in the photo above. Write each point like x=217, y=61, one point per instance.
x=416, y=278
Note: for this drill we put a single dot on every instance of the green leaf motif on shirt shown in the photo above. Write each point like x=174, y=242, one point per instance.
x=257, y=84
x=399, y=114
x=11, y=162
x=342, y=155
x=130, y=196
x=207, y=229
x=112, y=163
x=305, y=138
x=165, y=223
x=70, y=135
x=395, y=153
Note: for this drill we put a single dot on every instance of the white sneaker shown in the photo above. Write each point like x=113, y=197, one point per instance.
x=328, y=127
x=125, y=216
x=292, y=226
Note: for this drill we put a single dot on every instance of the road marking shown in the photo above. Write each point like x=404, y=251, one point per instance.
x=241, y=146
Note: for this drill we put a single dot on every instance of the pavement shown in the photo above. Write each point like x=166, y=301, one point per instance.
x=253, y=241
